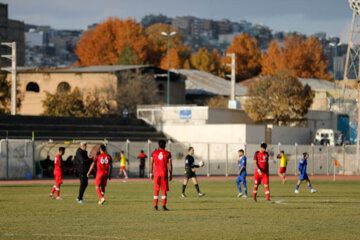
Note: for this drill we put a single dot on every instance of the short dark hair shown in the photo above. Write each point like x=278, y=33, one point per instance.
x=241, y=150
x=190, y=149
x=61, y=149
x=282, y=151
x=305, y=153
x=142, y=151
x=263, y=145
x=103, y=147
x=122, y=151
x=162, y=144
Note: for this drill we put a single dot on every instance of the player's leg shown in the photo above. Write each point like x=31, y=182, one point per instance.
x=195, y=181
x=243, y=181
x=186, y=180
x=267, y=191
x=298, y=185
x=284, y=177
x=126, y=176
x=238, y=180
x=309, y=185
x=52, y=191
x=164, y=189
x=156, y=192
x=257, y=181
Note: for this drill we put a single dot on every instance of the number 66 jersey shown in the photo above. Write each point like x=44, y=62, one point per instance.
x=102, y=164
x=161, y=159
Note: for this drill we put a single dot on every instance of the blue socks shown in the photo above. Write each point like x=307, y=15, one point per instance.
x=310, y=186
x=297, y=187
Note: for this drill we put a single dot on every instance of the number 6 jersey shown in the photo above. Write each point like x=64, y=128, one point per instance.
x=161, y=159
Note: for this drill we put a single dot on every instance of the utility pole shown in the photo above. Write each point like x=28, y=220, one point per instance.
x=12, y=57
x=168, y=35
x=233, y=76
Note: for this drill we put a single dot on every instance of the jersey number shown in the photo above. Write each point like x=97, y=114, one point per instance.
x=104, y=161
x=160, y=156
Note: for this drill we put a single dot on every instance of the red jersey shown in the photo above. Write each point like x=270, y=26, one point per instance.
x=161, y=159
x=102, y=164
x=262, y=160
x=58, y=162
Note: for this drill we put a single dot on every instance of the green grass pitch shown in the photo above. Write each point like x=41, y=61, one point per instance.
x=333, y=213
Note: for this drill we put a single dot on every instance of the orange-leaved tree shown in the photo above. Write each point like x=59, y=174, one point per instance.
x=158, y=45
x=208, y=62
x=104, y=44
x=299, y=56
x=247, y=56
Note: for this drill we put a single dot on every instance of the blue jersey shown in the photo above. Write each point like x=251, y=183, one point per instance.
x=302, y=166
x=242, y=162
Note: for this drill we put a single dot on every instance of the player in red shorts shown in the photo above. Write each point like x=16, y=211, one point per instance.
x=58, y=162
x=261, y=161
x=162, y=161
x=103, y=161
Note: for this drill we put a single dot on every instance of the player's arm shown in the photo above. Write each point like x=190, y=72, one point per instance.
x=170, y=168
x=151, y=167
x=91, y=168
x=256, y=164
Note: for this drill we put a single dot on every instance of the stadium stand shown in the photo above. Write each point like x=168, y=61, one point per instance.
x=69, y=128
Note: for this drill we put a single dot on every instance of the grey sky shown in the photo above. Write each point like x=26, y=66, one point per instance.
x=306, y=16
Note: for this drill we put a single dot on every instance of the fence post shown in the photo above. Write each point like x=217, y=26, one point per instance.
x=295, y=165
x=227, y=161
x=7, y=158
x=312, y=159
x=327, y=159
x=128, y=154
x=33, y=146
x=208, y=160
x=344, y=159
x=148, y=154
x=170, y=144
x=279, y=149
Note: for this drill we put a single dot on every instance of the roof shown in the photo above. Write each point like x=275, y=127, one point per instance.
x=88, y=69
x=315, y=84
x=202, y=83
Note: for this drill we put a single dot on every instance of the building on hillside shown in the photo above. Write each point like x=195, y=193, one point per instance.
x=34, y=82
x=11, y=31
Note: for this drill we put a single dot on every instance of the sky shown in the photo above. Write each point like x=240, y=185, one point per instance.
x=305, y=16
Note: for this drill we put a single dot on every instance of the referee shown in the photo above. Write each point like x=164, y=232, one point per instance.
x=190, y=173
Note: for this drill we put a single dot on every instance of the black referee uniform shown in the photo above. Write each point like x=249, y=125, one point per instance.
x=189, y=165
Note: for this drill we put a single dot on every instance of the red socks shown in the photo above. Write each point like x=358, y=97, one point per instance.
x=98, y=191
x=163, y=197
x=156, y=198
x=255, y=191
x=267, y=193
x=53, y=189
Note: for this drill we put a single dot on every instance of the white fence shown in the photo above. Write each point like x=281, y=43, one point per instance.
x=18, y=157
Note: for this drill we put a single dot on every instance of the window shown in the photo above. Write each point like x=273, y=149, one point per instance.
x=161, y=88
x=32, y=87
x=63, y=87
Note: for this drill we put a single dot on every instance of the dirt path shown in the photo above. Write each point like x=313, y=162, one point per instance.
x=201, y=178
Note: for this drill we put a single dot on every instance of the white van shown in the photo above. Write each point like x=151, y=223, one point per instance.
x=327, y=136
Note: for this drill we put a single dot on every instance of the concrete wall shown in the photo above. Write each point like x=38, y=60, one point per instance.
x=220, y=115
x=290, y=135
x=215, y=133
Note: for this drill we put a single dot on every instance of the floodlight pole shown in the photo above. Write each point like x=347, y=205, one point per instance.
x=12, y=57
